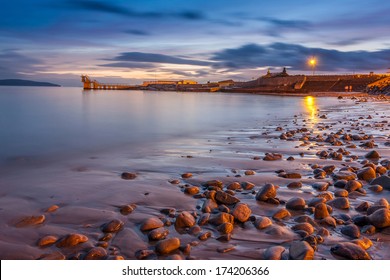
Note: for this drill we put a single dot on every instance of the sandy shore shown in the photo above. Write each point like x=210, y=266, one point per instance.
x=274, y=191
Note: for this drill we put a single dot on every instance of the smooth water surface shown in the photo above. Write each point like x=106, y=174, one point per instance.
x=45, y=121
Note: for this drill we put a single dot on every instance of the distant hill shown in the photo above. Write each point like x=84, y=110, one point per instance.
x=27, y=83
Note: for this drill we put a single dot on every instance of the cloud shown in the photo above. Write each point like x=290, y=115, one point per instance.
x=13, y=64
x=295, y=56
x=98, y=6
x=130, y=65
x=157, y=58
x=137, y=32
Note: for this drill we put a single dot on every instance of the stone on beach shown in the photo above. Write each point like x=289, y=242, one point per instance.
x=225, y=228
x=167, y=246
x=321, y=211
x=366, y=174
x=31, y=221
x=113, y=226
x=383, y=181
x=186, y=175
x=128, y=176
x=380, y=218
x=296, y=203
x=158, y=233
x=262, y=222
x=47, y=240
x=301, y=250
x=191, y=190
x=185, y=219
x=339, y=203
x=96, y=253
x=72, y=240
x=294, y=185
x=351, y=231
x=127, y=209
x=274, y=253
x=272, y=156
x=353, y=185
x=221, y=218
x=281, y=214
x=266, y=192
x=372, y=155
x=344, y=175
x=225, y=198
x=350, y=251
x=250, y=172
x=291, y=175
x=241, y=212
x=52, y=208
x=151, y=223
x=320, y=186
x=307, y=227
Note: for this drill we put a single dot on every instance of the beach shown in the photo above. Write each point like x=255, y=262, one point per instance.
x=306, y=186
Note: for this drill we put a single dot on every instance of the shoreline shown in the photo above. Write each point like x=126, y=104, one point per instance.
x=92, y=193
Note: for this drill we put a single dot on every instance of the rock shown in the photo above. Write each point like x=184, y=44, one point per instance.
x=329, y=169
x=290, y=175
x=294, y=185
x=383, y=180
x=226, y=249
x=321, y=211
x=362, y=207
x=204, y=219
x=266, y=192
x=303, y=226
x=274, y=253
x=350, y=251
x=234, y=186
x=191, y=190
x=328, y=221
x=52, y=256
x=360, y=220
x=224, y=237
x=72, y=240
x=250, y=172
x=128, y=176
x=167, y=246
x=380, y=218
x=186, y=175
x=225, y=228
x=225, y=198
x=339, y=203
x=351, y=231
x=52, y=208
x=272, y=156
x=366, y=174
x=341, y=193
x=320, y=186
x=184, y=219
x=326, y=195
x=301, y=250
x=31, y=221
x=372, y=155
x=315, y=200
x=214, y=183
x=113, y=226
x=364, y=243
x=204, y=236
x=344, y=175
x=262, y=222
x=221, y=218
x=158, y=234
x=296, y=203
x=340, y=184
x=97, y=253
x=47, y=241
x=174, y=182
x=151, y=223
x=241, y=212
x=127, y=209
x=247, y=186
x=144, y=254
x=281, y=214
x=353, y=185
x=376, y=188
x=209, y=205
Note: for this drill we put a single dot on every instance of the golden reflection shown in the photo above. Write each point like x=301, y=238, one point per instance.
x=311, y=108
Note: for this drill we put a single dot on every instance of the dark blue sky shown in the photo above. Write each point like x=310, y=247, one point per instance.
x=57, y=40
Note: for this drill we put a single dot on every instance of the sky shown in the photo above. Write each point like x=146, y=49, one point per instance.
x=205, y=40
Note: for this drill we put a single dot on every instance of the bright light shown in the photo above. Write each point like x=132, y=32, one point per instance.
x=313, y=63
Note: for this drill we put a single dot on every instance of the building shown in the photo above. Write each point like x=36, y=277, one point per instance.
x=169, y=82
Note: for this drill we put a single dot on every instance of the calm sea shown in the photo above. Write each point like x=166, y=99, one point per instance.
x=45, y=121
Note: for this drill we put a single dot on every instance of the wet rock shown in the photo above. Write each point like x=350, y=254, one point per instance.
x=274, y=253
x=221, y=218
x=344, y=175
x=323, y=232
x=290, y=175
x=383, y=180
x=294, y=185
x=174, y=181
x=72, y=240
x=167, y=246
x=360, y=220
x=381, y=170
x=326, y=195
x=31, y=221
x=250, y=172
x=362, y=207
x=372, y=155
x=281, y=214
x=234, y=186
x=113, y=226
x=262, y=222
x=191, y=190
x=368, y=229
x=209, y=205
x=214, y=183
x=127, y=209
x=204, y=236
x=186, y=175
x=364, y=243
x=320, y=186
x=225, y=198
x=380, y=218
x=296, y=203
x=204, y=219
x=328, y=221
x=266, y=192
x=351, y=231
x=97, y=253
x=321, y=211
x=341, y=193
x=339, y=203
x=224, y=237
x=226, y=249
x=225, y=228
x=128, y=176
x=301, y=250
x=195, y=230
x=47, y=240
x=52, y=208
x=303, y=226
x=329, y=169
x=340, y=184
x=366, y=174
x=151, y=223
x=144, y=254
x=290, y=158
x=315, y=200
x=106, y=237
x=350, y=251
x=247, y=186
x=353, y=185
x=241, y=212
x=184, y=219
x=272, y=156
x=158, y=234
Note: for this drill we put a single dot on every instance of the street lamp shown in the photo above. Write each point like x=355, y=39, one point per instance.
x=313, y=63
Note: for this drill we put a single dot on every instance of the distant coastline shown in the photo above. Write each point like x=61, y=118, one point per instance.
x=27, y=83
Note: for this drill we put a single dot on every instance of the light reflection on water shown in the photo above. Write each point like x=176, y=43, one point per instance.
x=41, y=121
x=311, y=108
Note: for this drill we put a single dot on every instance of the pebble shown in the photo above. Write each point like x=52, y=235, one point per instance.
x=174, y=181
x=47, y=240
x=204, y=236
x=167, y=246
x=351, y=231
x=191, y=190
x=225, y=198
x=234, y=186
x=185, y=219
x=226, y=249
x=128, y=176
x=274, y=253
x=262, y=222
x=247, y=186
x=127, y=209
x=144, y=254
x=362, y=207
x=250, y=172
x=151, y=223
x=296, y=203
x=272, y=156
x=366, y=174
x=350, y=251
x=204, y=219
x=364, y=243
x=353, y=185
x=290, y=175
x=340, y=184
x=31, y=221
x=209, y=205
x=328, y=221
x=266, y=192
x=224, y=237
x=294, y=185
x=53, y=256
x=72, y=240
x=241, y=212
x=225, y=228
x=320, y=186
x=383, y=180
x=380, y=218
x=301, y=250
x=97, y=253
x=214, y=183
x=321, y=211
x=312, y=202
x=113, y=226
x=221, y=218
x=344, y=175
x=341, y=193
x=303, y=226
x=158, y=234
x=372, y=155
x=52, y=208
x=340, y=203
x=281, y=214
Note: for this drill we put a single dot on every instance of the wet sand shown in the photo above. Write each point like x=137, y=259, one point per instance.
x=85, y=197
